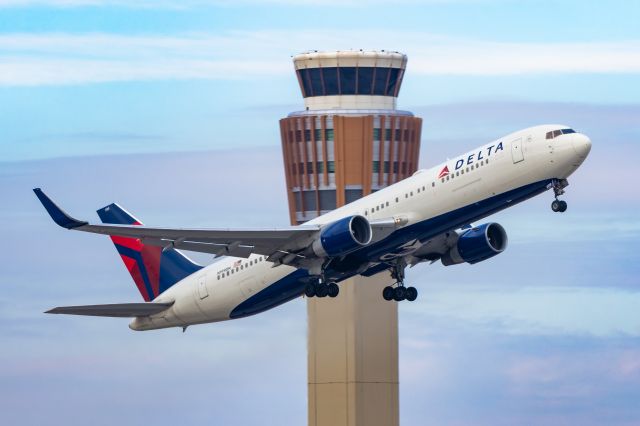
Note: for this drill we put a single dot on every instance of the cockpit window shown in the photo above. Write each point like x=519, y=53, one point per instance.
x=556, y=133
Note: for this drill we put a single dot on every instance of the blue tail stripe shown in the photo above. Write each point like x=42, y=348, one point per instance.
x=137, y=256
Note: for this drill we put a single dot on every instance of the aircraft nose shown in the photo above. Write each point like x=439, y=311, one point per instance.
x=581, y=144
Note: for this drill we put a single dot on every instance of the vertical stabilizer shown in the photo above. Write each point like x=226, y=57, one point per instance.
x=153, y=269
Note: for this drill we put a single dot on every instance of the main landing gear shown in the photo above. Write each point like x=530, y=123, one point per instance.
x=400, y=292
x=558, y=189
x=320, y=289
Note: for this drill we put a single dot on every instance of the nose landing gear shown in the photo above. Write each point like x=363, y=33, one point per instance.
x=558, y=189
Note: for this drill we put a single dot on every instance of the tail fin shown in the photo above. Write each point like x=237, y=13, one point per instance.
x=153, y=269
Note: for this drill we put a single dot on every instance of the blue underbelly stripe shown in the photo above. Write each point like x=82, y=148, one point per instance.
x=292, y=285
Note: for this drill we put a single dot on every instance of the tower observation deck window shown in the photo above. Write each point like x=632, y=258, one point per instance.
x=316, y=81
x=394, y=73
x=365, y=80
x=332, y=81
x=380, y=81
x=348, y=80
x=330, y=77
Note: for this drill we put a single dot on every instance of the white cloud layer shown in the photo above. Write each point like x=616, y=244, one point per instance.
x=62, y=59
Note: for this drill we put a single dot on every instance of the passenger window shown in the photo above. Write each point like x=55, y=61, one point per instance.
x=467, y=170
x=418, y=190
x=442, y=180
x=387, y=204
x=447, y=177
x=411, y=193
x=457, y=173
x=433, y=184
x=423, y=188
x=397, y=200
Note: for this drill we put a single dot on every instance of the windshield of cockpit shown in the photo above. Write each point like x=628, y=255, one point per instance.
x=556, y=133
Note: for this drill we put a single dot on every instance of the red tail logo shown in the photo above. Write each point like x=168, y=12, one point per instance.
x=444, y=172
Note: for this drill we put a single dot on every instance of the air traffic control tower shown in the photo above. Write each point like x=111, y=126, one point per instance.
x=349, y=141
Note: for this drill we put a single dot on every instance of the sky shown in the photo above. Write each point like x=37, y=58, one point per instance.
x=171, y=109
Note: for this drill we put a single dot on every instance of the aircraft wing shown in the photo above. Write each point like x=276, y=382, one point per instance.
x=274, y=243
x=122, y=310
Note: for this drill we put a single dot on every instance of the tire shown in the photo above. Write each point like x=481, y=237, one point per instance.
x=555, y=206
x=387, y=293
x=411, y=294
x=333, y=290
x=310, y=290
x=322, y=290
x=399, y=293
x=563, y=206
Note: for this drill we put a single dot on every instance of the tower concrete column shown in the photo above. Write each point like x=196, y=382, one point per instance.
x=353, y=356
x=349, y=141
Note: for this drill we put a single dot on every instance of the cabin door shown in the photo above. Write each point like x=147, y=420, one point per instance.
x=202, y=287
x=516, y=150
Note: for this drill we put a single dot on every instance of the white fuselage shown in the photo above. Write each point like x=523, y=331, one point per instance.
x=512, y=162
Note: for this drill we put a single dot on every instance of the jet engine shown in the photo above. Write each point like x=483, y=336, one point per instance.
x=342, y=237
x=477, y=244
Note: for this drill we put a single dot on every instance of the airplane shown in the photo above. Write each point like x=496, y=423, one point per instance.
x=424, y=218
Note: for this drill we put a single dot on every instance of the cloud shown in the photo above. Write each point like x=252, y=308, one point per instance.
x=59, y=59
x=544, y=310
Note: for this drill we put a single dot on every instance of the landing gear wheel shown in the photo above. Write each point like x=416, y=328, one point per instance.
x=333, y=289
x=387, y=293
x=322, y=290
x=411, y=294
x=559, y=206
x=310, y=290
x=399, y=294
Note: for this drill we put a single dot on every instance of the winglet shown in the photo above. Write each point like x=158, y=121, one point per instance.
x=58, y=215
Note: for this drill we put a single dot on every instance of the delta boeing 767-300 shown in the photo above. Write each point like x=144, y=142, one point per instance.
x=424, y=218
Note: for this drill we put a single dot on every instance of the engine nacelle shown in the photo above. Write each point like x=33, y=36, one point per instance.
x=342, y=237
x=477, y=244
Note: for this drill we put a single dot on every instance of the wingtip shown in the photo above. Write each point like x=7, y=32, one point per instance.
x=58, y=215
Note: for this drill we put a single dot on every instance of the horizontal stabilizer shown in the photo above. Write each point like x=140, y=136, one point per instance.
x=122, y=310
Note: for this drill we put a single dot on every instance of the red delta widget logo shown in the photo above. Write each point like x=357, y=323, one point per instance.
x=471, y=158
